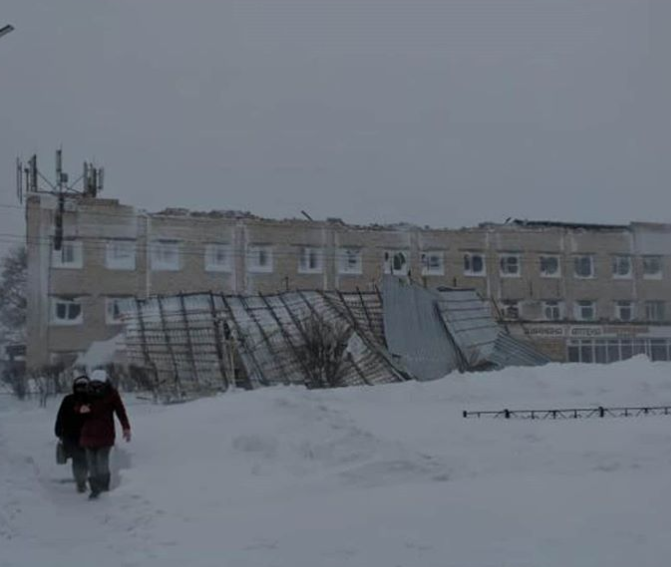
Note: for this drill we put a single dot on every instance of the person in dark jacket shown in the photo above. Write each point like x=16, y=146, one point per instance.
x=68, y=429
x=98, y=434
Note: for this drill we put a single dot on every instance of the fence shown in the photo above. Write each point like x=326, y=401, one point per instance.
x=574, y=413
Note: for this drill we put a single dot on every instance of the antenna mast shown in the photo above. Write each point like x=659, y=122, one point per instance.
x=29, y=180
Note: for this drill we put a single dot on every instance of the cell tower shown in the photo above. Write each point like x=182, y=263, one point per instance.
x=30, y=180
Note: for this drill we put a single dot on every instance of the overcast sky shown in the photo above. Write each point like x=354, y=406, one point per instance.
x=440, y=112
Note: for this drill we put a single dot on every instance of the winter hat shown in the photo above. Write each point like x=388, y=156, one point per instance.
x=80, y=381
x=99, y=375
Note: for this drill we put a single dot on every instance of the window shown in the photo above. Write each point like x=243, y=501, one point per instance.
x=396, y=262
x=114, y=307
x=510, y=309
x=652, y=267
x=474, y=264
x=260, y=259
x=66, y=311
x=311, y=260
x=622, y=267
x=614, y=350
x=583, y=266
x=659, y=349
x=510, y=265
x=69, y=256
x=550, y=267
x=585, y=310
x=432, y=263
x=553, y=310
x=654, y=311
x=218, y=258
x=349, y=261
x=624, y=310
x=120, y=255
x=165, y=255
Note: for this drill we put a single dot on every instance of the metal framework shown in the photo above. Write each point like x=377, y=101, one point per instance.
x=180, y=340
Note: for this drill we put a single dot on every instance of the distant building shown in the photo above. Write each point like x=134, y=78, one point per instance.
x=590, y=293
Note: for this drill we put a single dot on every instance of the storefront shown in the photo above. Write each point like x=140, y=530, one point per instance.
x=599, y=344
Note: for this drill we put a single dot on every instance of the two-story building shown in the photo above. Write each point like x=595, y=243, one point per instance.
x=590, y=293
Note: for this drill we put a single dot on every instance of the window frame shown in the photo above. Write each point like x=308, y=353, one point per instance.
x=390, y=256
x=307, y=253
x=158, y=247
x=577, y=309
x=112, y=263
x=545, y=274
x=578, y=257
x=659, y=274
x=617, y=349
x=343, y=256
x=468, y=264
x=503, y=257
x=615, y=263
x=210, y=254
x=660, y=315
x=78, y=255
x=54, y=300
x=253, y=255
x=556, y=304
x=506, y=304
x=427, y=270
x=618, y=306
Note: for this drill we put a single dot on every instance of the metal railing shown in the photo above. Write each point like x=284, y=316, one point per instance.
x=571, y=413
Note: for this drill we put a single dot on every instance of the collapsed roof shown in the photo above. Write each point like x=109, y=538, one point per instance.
x=202, y=342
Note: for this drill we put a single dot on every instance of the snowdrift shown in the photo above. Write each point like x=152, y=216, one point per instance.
x=384, y=476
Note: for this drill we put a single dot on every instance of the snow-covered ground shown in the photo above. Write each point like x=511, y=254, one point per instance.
x=378, y=477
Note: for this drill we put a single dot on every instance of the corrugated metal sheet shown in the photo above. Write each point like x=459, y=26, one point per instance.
x=469, y=321
x=482, y=342
x=415, y=332
x=509, y=351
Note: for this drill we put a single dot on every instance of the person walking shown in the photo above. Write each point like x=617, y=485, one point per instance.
x=98, y=433
x=68, y=429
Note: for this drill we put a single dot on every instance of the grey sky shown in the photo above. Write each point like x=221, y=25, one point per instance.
x=443, y=112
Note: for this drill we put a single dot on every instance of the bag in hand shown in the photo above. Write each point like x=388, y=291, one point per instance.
x=61, y=454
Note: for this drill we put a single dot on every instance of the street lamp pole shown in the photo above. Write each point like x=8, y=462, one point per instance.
x=5, y=30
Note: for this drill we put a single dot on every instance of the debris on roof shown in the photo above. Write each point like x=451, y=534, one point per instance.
x=523, y=223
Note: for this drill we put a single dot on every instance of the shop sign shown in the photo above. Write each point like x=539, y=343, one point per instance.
x=590, y=331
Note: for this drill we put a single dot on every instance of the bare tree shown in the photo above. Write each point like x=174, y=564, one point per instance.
x=13, y=295
x=323, y=351
x=49, y=380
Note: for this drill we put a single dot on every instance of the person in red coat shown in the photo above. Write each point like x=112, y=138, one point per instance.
x=98, y=434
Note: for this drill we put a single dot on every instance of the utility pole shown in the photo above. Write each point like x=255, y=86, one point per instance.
x=6, y=29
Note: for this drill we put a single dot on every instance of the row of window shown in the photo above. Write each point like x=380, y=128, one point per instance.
x=585, y=310
x=166, y=256
x=68, y=311
x=603, y=351
x=622, y=266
